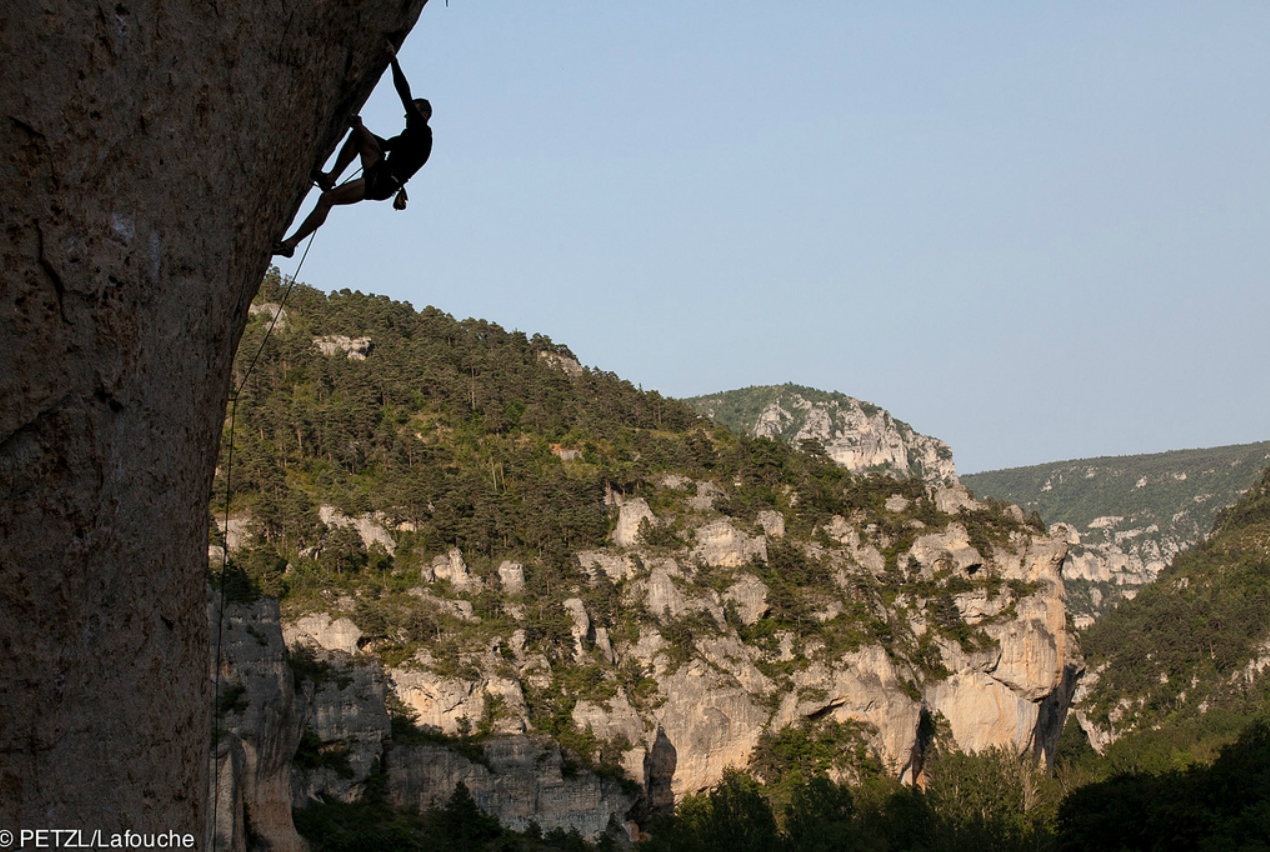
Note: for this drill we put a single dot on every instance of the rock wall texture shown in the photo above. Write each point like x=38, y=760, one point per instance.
x=149, y=153
x=312, y=725
x=347, y=712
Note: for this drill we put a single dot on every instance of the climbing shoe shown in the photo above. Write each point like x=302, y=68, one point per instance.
x=319, y=177
x=282, y=249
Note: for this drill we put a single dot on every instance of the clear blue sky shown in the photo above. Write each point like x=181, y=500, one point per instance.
x=1037, y=233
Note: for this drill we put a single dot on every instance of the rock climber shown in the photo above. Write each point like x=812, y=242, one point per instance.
x=386, y=163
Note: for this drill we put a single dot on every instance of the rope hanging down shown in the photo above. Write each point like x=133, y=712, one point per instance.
x=229, y=473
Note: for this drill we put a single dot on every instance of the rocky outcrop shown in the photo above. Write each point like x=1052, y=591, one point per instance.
x=613, y=565
x=276, y=313
x=1005, y=694
x=347, y=716
x=519, y=780
x=772, y=522
x=567, y=365
x=712, y=721
x=721, y=545
x=369, y=528
x=857, y=435
x=280, y=746
x=583, y=635
x=665, y=594
x=859, y=440
x=615, y=720
x=260, y=718
x=949, y=549
x=749, y=595
x=631, y=514
x=512, y=577
x=322, y=631
x=1001, y=698
x=859, y=687
x=454, y=704
x=354, y=348
x=1112, y=560
x=1126, y=518
x=150, y=152
x=451, y=568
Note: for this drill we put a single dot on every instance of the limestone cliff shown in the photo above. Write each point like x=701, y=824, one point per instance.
x=858, y=435
x=1113, y=558
x=518, y=779
x=149, y=154
x=567, y=566
x=310, y=724
x=260, y=719
x=700, y=673
x=695, y=669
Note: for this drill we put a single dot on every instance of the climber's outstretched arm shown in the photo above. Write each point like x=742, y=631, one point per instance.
x=400, y=83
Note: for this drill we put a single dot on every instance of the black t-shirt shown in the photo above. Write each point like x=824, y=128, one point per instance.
x=410, y=149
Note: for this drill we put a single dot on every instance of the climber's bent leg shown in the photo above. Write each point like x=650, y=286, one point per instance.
x=350, y=193
x=360, y=143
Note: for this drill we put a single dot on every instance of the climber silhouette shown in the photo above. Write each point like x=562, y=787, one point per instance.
x=381, y=175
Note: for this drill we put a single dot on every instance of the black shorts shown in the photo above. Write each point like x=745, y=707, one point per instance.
x=380, y=182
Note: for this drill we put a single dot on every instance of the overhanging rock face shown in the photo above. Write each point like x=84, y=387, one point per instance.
x=150, y=152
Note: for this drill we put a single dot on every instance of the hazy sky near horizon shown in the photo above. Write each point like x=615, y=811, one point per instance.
x=1038, y=232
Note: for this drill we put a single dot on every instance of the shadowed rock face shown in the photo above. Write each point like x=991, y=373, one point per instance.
x=149, y=154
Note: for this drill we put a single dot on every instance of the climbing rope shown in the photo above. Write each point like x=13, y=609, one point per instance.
x=229, y=482
x=229, y=473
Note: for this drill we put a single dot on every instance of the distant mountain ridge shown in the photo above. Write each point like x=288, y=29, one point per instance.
x=858, y=435
x=1127, y=516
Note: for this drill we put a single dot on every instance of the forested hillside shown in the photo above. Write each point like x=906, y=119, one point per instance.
x=1146, y=489
x=457, y=430
x=461, y=441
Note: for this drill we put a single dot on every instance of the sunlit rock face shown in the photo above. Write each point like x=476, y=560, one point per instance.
x=858, y=435
x=714, y=696
x=150, y=153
